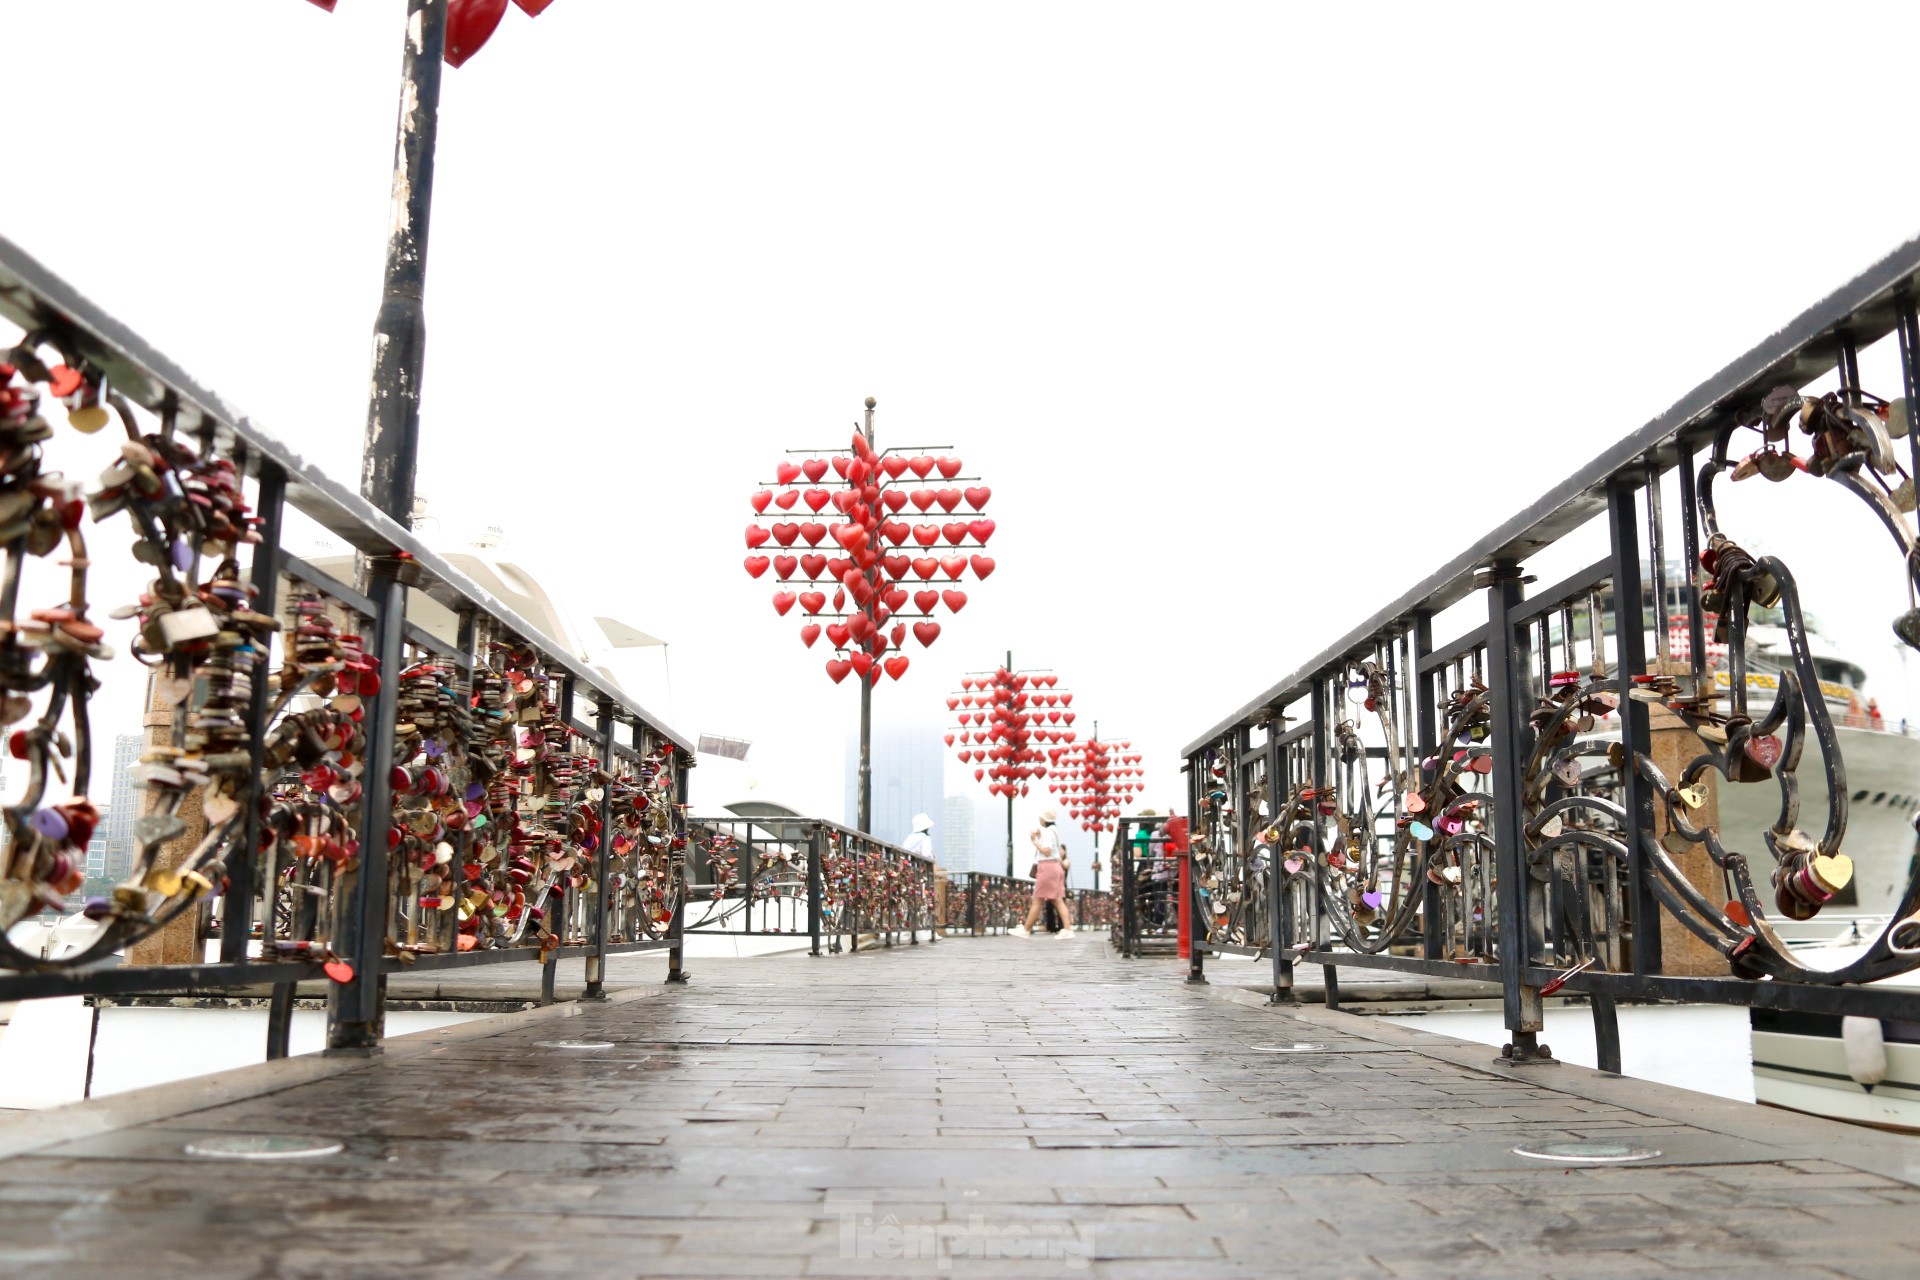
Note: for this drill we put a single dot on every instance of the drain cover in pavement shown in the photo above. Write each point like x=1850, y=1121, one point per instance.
x=1584, y=1152
x=263, y=1146
x=575, y=1044
x=1285, y=1048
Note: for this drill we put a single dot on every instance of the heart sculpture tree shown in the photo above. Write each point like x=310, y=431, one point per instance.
x=1095, y=779
x=869, y=547
x=1006, y=723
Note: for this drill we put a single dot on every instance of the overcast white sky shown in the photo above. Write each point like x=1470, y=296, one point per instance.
x=1185, y=283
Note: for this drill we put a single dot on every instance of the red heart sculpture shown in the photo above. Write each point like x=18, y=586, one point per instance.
x=949, y=467
x=760, y=501
x=982, y=567
x=784, y=534
x=895, y=598
x=896, y=531
x=947, y=498
x=925, y=567
x=921, y=499
x=977, y=497
x=981, y=530
x=956, y=533
x=926, y=633
x=783, y=567
x=838, y=668
x=957, y=565
x=895, y=466
x=533, y=8
x=920, y=466
x=813, y=565
x=785, y=473
x=812, y=601
x=839, y=634
x=782, y=601
x=859, y=625
x=840, y=466
x=817, y=498
x=862, y=662
x=924, y=602
x=955, y=600
x=898, y=635
x=786, y=499
x=809, y=633
x=926, y=534
x=755, y=534
x=813, y=533
x=756, y=565
x=813, y=469
x=896, y=666
x=894, y=499
x=470, y=23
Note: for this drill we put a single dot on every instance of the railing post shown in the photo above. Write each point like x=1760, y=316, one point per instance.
x=1420, y=687
x=677, y=930
x=1129, y=924
x=355, y=1012
x=1507, y=685
x=597, y=962
x=1636, y=738
x=815, y=889
x=243, y=862
x=1279, y=936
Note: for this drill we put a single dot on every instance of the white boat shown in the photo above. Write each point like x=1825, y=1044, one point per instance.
x=1865, y=1070
x=1882, y=768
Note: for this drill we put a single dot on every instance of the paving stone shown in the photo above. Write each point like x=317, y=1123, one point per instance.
x=914, y=1111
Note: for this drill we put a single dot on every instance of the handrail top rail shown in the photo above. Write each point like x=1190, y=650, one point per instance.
x=36, y=299
x=773, y=821
x=1862, y=311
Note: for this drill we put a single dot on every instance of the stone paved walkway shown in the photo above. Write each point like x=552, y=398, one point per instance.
x=1018, y=1108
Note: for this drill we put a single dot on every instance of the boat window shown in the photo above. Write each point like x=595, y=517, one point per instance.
x=1860, y=795
x=1878, y=796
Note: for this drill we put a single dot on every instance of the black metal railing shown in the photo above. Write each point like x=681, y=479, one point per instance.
x=339, y=780
x=1146, y=892
x=978, y=902
x=768, y=877
x=1556, y=790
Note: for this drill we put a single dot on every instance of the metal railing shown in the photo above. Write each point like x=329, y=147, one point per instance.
x=766, y=877
x=340, y=780
x=979, y=902
x=1146, y=889
x=1538, y=794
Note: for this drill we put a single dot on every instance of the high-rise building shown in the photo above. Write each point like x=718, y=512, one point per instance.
x=97, y=845
x=954, y=840
x=909, y=777
x=123, y=806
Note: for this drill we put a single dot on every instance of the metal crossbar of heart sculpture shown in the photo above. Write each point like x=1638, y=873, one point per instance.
x=904, y=531
x=1851, y=434
x=1008, y=722
x=1095, y=779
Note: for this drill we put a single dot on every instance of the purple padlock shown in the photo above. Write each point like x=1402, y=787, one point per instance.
x=49, y=823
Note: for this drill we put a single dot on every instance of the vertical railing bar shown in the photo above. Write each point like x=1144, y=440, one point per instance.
x=243, y=863
x=354, y=1011
x=1690, y=547
x=1507, y=694
x=602, y=853
x=1657, y=563
x=1629, y=631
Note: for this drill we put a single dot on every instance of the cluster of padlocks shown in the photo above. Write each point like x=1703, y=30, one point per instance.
x=497, y=802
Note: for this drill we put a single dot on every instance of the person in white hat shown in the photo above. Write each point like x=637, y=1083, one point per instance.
x=1049, y=876
x=921, y=841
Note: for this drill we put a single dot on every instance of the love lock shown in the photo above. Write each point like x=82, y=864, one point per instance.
x=1566, y=771
x=1693, y=796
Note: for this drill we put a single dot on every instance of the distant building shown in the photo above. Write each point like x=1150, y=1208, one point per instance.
x=97, y=846
x=909, y=777
x=990, y=836
x=953, y=839
x=123, y=806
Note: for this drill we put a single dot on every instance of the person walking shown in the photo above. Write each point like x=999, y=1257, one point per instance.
x=1049, y=876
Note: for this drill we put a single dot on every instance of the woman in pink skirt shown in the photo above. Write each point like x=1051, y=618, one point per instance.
x=1049, y=877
